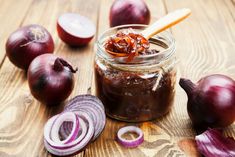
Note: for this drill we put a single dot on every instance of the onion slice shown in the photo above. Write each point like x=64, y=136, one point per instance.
x=81, y=122
x=64, y=149
x=66, y=116
x=59, y=145
x=65, y=129
x=130, y=143
x=212, y=143
x=83, y=97
x=97, y=115
x=92, y=106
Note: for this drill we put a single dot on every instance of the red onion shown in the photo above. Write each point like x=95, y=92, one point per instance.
x=130, y=143
x=65, y=129
x=211, y=102
x=67, y=116
x=129, y=12
x=75, y=30
x=92, y=106
x=75, y=146
x=85, y=97
x=71, y=131
x=81, y=134
x=212, y=143
x=50, y=79
x=53, y=139
x=28, y=42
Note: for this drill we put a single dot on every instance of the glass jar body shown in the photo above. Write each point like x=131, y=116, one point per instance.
x=136, y=92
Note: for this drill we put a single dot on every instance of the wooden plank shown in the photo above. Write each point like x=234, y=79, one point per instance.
x=11, y=14
x=196, y=38
x=205, y=44
x=23, y=117
x=158, y=142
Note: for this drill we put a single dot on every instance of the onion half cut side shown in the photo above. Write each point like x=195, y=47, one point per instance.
x=75, y=29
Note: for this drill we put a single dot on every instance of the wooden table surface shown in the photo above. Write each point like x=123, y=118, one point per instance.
x=205, y=45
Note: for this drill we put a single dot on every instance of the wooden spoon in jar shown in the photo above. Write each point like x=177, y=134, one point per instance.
x=159, y=26
x=166, y=22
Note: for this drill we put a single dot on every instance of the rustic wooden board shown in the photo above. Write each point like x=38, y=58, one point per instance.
x=22, y=117
x=158, y=142
x=205, y=45
x=9, y=22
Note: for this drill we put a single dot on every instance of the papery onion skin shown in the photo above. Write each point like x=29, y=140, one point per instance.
x=211, y=102
x=26, y=43
x=48, y=84
x=129, y=12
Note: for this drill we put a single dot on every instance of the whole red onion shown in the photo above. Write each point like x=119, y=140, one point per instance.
x=26, y=43
x=211, y=102
x=50, y=78
x=129, y=12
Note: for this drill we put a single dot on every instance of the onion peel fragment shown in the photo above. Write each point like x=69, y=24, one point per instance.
x=212, y=143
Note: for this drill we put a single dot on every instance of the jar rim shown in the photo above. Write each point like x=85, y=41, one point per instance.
x=162, y=55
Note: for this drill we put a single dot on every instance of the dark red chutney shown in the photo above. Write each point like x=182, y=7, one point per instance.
x=131, y=91
x=129, y=97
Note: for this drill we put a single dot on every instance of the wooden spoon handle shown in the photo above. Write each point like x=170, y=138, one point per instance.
x=166, y=22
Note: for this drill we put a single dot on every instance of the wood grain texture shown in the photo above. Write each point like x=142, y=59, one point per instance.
x=199, y=55
x=22, y=117
x=9, y=21
x=158, y=140
x=205, y=45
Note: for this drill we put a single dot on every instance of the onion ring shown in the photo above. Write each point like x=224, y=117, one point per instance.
x=60, y=145
x=81, y=122
x=87, y=97
x=130, y=143
x=65, y=129
x=74, y=146
x=66, y=116
x=91, y=105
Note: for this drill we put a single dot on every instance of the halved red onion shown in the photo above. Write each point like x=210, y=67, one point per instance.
x=130, y=143
x=75, y=30
x=66, y=116
x=91, y=105
x=64, y=149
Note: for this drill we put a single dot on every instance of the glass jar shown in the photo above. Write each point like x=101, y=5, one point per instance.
x=142, y=89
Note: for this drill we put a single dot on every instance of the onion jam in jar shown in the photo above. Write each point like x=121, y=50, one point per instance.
x=137, y=88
